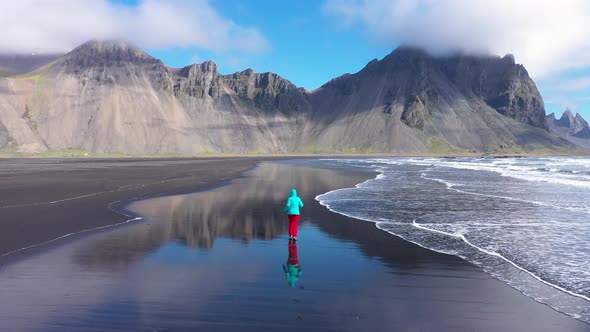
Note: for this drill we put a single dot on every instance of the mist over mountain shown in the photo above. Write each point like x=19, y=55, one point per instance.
x=111, y=97
x=12, y=64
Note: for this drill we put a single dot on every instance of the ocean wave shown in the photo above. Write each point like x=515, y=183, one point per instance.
x=493, y=232
x=453, y=186
x=492, y=253
x=527, y=173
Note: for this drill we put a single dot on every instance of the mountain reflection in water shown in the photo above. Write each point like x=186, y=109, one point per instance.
x=248, y=209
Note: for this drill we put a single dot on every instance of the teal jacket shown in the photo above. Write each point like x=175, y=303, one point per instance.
x=292, y=273
x=293, y=203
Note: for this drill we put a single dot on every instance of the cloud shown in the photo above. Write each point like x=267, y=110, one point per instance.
x=574, y=84
x=548, y=36
x=57, y=26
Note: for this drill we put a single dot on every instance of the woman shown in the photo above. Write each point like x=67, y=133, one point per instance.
x=292, y=209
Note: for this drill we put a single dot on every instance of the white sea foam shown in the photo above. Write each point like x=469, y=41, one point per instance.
x=453, y=186
x=521, y=172
x=492, y=253
x=527, y=219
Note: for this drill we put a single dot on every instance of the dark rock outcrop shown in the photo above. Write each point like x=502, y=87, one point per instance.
x=415, y=113
x=501, y=83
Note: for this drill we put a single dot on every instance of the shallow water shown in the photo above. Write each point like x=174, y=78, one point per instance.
x=526, y=221
x=214, y=261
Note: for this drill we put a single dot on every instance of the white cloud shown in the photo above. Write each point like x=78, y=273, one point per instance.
x=548, y=36
x=57, y=26
x=574, y=84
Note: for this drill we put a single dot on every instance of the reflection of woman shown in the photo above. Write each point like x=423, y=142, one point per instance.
x=292, y=269
x=292, y=208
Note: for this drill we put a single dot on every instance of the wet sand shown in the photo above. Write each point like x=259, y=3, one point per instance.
x=42, y=199
x=213, y=261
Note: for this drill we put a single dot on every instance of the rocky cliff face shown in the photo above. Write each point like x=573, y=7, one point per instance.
x=502, y=84
x=573, y=128
x=411, y=101
x=110, y=97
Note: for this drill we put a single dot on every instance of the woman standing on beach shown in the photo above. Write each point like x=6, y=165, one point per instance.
x=292, y=209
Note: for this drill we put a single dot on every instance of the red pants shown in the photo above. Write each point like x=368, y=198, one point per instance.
x=293, y=224
x=293, y=259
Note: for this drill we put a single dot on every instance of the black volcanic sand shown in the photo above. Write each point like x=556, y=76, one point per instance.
x=212, y=261
x=42, y=199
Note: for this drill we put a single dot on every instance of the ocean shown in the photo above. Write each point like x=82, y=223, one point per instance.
x=525, y=221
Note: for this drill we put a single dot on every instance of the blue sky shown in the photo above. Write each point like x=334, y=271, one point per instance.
x=305, y=46
x=310, y=47
x=310, y=42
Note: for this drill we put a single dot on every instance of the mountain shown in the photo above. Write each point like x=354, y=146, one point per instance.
x=573, y=128
x=13, y=64
x=109, y=97
x=112, y=97
x=411, y=101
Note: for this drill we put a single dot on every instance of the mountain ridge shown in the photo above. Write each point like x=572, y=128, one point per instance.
x=572, y=127
x=111, y=97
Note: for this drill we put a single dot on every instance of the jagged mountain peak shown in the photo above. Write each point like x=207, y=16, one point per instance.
x=207, y=67
x=509, y=58
x=569, y=125
x=104, y=53
x=567, y=119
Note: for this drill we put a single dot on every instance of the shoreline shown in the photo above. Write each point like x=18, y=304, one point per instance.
x=559, y=292
x=453, y=278
x=387, y=236
x=11, y=210
x=105, y=157
x=72, y=198
x=515, y=265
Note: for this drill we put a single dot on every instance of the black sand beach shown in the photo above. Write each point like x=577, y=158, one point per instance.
x=212, y=261
x=42, y=199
